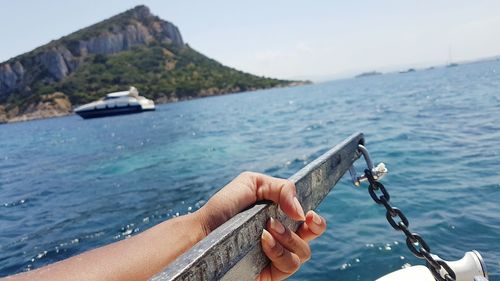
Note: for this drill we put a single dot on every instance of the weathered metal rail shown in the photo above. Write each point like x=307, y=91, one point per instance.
x=233, y=251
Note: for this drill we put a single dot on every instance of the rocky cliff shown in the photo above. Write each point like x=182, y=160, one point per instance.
x=59, y=59
x=132, y=48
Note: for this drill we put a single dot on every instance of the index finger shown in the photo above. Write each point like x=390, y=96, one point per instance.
x=280, y=191
x=250, y=187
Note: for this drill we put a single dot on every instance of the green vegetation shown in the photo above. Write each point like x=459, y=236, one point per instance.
x=159, y=71
x=164, y=70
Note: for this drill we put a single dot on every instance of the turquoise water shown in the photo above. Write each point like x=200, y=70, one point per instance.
x=68, y=185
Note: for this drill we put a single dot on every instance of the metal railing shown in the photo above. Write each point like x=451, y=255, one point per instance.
x=233, y=251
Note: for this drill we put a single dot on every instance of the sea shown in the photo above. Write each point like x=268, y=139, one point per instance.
x=68, y=185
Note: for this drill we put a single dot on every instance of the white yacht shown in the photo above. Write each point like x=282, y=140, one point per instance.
x=116, y=103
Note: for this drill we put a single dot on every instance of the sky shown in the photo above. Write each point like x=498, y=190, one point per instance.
x=316, y=40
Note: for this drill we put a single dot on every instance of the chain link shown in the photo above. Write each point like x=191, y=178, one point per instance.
x=414, y=241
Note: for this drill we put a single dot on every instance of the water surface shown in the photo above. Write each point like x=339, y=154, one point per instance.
x=68, y=185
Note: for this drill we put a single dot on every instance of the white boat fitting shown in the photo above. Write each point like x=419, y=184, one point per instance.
x=233, y=252
x=470, y=268
x=116, y=103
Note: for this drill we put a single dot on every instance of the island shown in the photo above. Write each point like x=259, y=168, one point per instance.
x=367, y=74
x=408, y=71
x=132, y=48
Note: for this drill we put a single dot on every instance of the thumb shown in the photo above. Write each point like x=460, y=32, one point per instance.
x=280, y=191
x=245, y=190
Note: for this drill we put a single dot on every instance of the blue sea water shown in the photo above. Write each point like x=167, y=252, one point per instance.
x=68, y=185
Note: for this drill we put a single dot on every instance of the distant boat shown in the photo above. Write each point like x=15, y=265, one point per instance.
x=450, y=60
x=366, y=74
x=116, y=103
x=408, y=71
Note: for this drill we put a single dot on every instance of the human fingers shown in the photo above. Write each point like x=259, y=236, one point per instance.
x=313, y=226
x=249, y=187
x=280, y=191
x=244, y=191
x=283, y=262
x=278, y=239
x=289, y=239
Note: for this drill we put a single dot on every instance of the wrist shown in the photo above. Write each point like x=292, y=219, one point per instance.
x=202, y=218
x=209, y=217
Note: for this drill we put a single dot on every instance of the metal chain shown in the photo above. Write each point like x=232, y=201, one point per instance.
x=414, y=241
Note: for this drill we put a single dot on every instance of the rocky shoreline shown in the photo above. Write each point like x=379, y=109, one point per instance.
x=132, y=48
x=59, y=105
x=54, y=105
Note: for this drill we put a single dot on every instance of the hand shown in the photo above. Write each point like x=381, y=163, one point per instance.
x=145, y=254
x=286, y=250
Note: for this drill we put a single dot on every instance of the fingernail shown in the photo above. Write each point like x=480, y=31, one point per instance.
x=268, y=238
x=316, y=219
x=298, y=208
x=277, y=226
